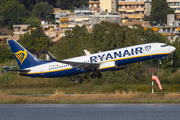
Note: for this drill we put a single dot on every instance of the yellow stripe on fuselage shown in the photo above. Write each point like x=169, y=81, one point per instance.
x=133, y=57
x=46, y=71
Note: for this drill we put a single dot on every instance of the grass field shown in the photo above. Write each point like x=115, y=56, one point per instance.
x=59, y=98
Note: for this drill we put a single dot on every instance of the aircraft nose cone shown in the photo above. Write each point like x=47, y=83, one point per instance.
x=172, y=49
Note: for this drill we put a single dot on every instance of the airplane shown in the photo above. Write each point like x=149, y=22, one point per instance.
x=96, y=63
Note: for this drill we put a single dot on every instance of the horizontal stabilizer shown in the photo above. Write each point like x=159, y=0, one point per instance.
x=53, y=58
x=19, y=70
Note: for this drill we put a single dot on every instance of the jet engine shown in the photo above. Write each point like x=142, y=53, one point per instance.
x=112, y=65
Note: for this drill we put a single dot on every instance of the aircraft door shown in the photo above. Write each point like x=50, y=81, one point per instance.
x=42, y=71
x=154, y=48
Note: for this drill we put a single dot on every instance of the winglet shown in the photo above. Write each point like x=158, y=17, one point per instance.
x=53, y=58
x=87, y=52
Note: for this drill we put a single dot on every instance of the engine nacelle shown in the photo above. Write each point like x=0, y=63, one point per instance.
x=120, y=68
x=112, y=65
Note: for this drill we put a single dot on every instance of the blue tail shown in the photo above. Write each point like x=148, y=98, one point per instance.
x=24, y=58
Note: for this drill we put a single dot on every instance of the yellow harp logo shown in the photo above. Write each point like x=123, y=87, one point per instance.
x=21, y=56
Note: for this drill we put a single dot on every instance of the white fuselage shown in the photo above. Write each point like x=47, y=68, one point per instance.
x=109, y=60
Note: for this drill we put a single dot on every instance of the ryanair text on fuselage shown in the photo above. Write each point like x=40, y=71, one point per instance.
x=115, y=55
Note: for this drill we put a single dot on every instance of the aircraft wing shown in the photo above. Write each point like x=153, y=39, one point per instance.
x=79, y=65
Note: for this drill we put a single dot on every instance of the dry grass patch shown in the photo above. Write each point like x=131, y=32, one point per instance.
x=11, y=98
x=98, y=97
x=118, y=96
x=172, y=96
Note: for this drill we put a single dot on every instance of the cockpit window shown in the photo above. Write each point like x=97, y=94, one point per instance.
x=164, y=45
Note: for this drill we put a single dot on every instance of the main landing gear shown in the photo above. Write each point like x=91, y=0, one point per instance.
x=98, y=75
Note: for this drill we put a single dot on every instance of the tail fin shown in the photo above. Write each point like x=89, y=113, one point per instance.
x=23, y=57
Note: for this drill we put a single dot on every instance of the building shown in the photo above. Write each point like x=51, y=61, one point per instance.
x=79, y=17
x=109, y=6
x=82, y=17
x=51, y=30
x=97, y=19
x=175, y=5
x=134, y=9
x=87, y=18
x=131, y=23
x=167, y=31
x=171, y=30
x=58, y=16
x=58, y=13
x=131, y=9
x=94, y=5
x=21, y=29
x=56, y=10
x=67, y=21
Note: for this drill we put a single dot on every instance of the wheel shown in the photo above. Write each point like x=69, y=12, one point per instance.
x=93, y=75
x=99, y=75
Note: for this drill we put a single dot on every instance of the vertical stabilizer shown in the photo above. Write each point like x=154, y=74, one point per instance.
x=24, y=58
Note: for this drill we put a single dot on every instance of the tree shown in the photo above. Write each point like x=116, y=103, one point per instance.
x=70, y=4
x=13, y=13
x=34, y=22
x=159, y=11
x=68, y=33
x=36, y=42
x=98, y=35
x=2, y=4
x=79, y=32
x=176, y=54
x=5, y=53
x=150, y=36
x=28, y=4
x=43, y=10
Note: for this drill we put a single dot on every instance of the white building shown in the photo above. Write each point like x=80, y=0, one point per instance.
x=175, y=5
